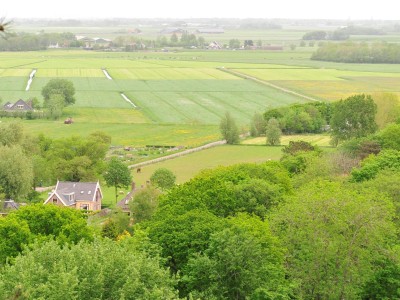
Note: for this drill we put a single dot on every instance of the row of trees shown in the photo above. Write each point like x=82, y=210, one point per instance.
x=352, y=52
x=41, y=41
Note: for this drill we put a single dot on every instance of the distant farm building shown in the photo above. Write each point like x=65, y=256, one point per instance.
x=86, y=41
x=20, y=105
x=102, y=42
x=78, y=195
x=214, y=45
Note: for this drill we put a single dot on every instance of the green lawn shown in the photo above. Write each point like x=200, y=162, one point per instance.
x=128, y=134
x=187, y=166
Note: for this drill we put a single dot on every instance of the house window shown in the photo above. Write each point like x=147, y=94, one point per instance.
x=84, y=206
x=54, y=201
x=20, y=106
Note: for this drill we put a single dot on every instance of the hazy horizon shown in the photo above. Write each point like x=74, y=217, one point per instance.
x=179, y=9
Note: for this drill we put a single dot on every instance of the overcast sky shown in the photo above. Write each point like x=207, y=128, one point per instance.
x=309, y=9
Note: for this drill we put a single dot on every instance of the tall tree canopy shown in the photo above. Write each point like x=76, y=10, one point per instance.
x=16, y=172
x=229, y=129
x=62, y=87
x=117, y=175
x=335, y=236
x=100, y=270
x=353, y=117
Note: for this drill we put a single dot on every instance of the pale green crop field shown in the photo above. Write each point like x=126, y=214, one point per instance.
x=170, y=74
x=311, y=74
x=14, y=72
x=69, y=73
x=331, y=90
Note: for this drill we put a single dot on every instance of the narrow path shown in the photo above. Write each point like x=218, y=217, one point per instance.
x=241, y=75
x=128, y=100
x=106, y=73
x=175, y=155
x=28, y=85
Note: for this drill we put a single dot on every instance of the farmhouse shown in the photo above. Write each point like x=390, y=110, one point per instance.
x=20, y=105
x=78, y=195
x=214, y=45
x=102, y=41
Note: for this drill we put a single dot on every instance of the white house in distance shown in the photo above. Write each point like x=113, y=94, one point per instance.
x=78, y=195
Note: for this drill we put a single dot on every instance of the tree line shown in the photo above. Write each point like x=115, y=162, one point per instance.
x=353, y=52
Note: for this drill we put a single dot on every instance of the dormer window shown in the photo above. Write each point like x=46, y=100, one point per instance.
x=20, y=106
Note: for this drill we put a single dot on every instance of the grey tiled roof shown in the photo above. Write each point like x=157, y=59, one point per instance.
x=82, y=191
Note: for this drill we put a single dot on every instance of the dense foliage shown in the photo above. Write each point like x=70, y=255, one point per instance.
x=353, y=117
x=334, y=239
x=351, y=52
x=42, y=222
x=41, y=41
x=229, y=129
x=99, y=270
x=301, y=118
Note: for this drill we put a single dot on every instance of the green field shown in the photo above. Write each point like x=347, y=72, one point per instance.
x=188, y=89
x=185, y=167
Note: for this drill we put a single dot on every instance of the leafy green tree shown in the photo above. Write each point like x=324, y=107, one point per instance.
x=163, y=178
x=225, y=191
x=372, y=165
x=62, y=87
x=353, y=117
x=295, y=147
x=389, y=137
x=315, y=35
x=257, y=125
x=229, y=129
x=333, y=239
x=65, y=225
x=182, y=235
x=16, y=172
x=103, y=269
x=11, y=133
x=55, y=105
x=115, y=225
x=41, y=222
x=14, y=234
x=234, y=44
x=388, y=108
x=117, y=175
x=240, y=261
x=144, y=204
x=73, y=158
x=35, y=103
x=273, y=132
x=174, y=39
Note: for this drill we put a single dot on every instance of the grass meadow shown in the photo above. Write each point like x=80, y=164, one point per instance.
x=185, y=167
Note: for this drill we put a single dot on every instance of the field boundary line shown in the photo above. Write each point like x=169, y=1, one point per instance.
x=285, y=90
x=32, y=63
x=175, y=155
